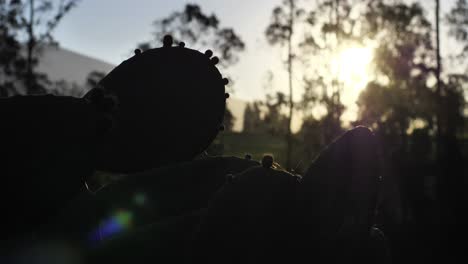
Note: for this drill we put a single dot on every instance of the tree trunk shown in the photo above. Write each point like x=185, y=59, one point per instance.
x=439, y=135
x=439, y=88
x=30, y=48
x=290, y=72
x=337, y=97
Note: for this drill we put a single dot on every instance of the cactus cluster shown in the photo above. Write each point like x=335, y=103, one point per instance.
x=147, y=120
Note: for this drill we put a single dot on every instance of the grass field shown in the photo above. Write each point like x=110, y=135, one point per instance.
x=257, y=145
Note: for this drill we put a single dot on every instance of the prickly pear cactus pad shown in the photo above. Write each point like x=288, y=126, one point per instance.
x=171, y=106
x=249, y=217
x=338, y=200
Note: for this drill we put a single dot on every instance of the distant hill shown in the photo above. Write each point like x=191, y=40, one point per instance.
x=63, y=64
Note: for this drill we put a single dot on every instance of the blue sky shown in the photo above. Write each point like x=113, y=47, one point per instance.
x=110, y=29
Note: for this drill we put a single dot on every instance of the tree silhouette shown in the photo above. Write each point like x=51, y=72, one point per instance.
x=439, y=82
x=199, y=30
x=404, y=61
x=330, y=29
x=275, y=121
x=457, y=20
x=11, y=62
x=252, y=118
x=229, y=120
x=93, y=79
x=35, y=20
x=247, y=125
x=280, y=31
x=455, y=86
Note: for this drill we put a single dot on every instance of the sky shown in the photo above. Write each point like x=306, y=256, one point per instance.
x=110, y=29
x=111, y=34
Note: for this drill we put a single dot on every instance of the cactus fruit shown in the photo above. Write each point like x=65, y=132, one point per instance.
x=171, y=106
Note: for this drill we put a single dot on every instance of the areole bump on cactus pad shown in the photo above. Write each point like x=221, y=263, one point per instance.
x=171, y=103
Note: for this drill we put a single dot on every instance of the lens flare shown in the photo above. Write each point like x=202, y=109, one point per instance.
x=120, y=221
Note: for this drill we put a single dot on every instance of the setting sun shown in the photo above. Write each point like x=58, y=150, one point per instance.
x=352, y=67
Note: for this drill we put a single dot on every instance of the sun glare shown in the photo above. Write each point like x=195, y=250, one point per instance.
x=351, y=66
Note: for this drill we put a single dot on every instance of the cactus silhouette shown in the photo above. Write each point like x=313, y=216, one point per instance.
x=161, y=106
x=171, y=106
x=150, y=196
x=338, y=199
x=248, y=218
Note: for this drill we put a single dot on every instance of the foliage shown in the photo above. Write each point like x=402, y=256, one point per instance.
x=267, y=116
x=280, y=31
x=312, y=137
x=404, y=61
x=228, y=120
x=93, y=79
x=64, y=88
x=457, y=20
x=199, y=30
x=274, y=120
x=454, y=104
x=252, y=118
x=11, y=62
x=284, y=19
x=30, y=22
x=332, y=26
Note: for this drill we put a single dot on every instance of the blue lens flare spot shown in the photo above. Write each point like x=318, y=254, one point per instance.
x=120, y=221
